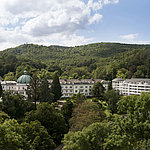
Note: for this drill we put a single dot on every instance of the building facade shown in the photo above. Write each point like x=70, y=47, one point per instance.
x=84, y=86
x=18, y=86
x=69, y=86
x=133, y=86
x=75, y=86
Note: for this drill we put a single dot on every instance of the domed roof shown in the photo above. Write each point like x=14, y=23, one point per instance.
x=24, y=79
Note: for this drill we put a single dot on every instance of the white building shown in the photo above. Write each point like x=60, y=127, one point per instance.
x=131, y=86
x=75, y=86
x=69, y=86
x=17, y=87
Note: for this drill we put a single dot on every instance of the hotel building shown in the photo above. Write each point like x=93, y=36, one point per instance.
x=133, y=86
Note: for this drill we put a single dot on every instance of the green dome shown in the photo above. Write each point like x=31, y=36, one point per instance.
x=24, y=79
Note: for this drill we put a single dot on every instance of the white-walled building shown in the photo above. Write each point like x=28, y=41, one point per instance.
x=133, y=86
x=17, y=87
x=69, y=86
x=75, y=86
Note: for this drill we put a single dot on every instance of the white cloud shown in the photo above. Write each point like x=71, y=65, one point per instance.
x=47, y=21
x=129, y=36
x=111, y=2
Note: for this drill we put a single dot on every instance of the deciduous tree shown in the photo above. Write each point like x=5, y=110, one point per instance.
x=85, y=114
x=33, y=90
x=37, y=136
x=51, y=119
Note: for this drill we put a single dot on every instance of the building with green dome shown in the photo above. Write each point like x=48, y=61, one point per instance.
x=17, y=87
x=24, y=79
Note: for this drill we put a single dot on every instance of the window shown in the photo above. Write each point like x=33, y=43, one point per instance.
x=76, y=91
x=81, y=90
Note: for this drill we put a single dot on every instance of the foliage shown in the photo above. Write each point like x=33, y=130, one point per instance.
x=51, y=119
x=9, y=76
x=3, y=116
x=78, y=98
x=127, y=131
x=44, y=92
x=11, y=136
x=97, y=90
x=56, y=88
x=99, y=60
x=1, y=90
x=37, y=136
x=15, y=105
x=112, y=97
x=109, y=86
x=85, y=114
x=131, y=130
x=67, y=110
x=90, y=138
x=33, y=90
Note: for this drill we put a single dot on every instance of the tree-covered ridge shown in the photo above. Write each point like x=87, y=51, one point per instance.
x=99, y=60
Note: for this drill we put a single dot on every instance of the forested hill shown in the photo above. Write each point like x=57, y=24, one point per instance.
x=99, y=60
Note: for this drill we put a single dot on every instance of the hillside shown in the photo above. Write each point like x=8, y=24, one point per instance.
x=99, y=60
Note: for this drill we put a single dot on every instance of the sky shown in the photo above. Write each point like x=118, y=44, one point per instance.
x=73, y=22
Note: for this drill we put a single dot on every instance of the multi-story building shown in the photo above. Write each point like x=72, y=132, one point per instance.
x=69, y=86
x=17, y=87
x=75, y=86
x=133, y=86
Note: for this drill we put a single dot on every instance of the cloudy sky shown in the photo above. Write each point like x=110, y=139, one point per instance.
x=73, y=22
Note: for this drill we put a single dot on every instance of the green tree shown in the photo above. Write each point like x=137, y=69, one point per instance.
x=109, y=86
x=33, y=90
x=131, y=130
x=9, y=76
x=15, y=105
x=37, y=136
x=85, y=114
x=45, y=93
x=56, y=88
x=112, y=97
x=121, y=74
x=97, y=90
x=3, y=116
x=43, y=73
x=90, y=138
x=78, y=98
x=51, y=119
x=11, y=136
x=67, y=110
x=1, y=90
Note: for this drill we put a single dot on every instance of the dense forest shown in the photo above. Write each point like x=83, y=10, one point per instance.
x=105, y=121
x=99, y=60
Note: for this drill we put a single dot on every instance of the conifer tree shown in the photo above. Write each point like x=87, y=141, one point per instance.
x=97, y=90
x=1, y=90
x=56, y=88
x=109, y=86
x=45, y=94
